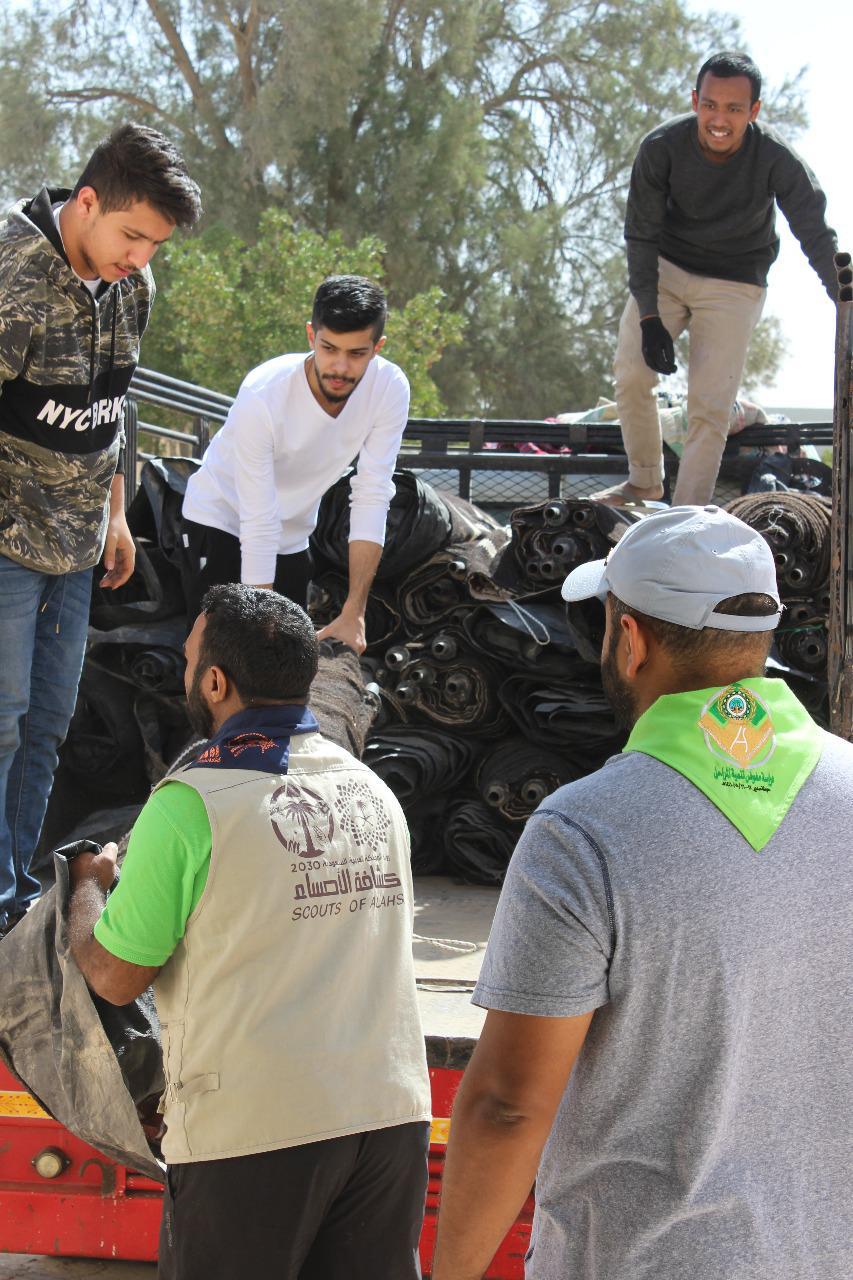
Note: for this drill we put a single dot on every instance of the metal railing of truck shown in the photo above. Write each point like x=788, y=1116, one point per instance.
x=466, y=446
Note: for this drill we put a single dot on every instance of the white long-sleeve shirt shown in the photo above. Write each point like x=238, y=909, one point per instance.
x=266, y=470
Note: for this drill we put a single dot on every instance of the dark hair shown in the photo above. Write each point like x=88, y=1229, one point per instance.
x=137, y=163
x=346, y=303
x=263, y=642
x=726, y=65
x=687, y=645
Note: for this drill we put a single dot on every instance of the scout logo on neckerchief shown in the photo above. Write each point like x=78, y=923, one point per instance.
x=738, y=727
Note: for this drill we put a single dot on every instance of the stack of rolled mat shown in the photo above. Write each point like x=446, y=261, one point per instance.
x=443, y=680
x=797, y=528
x=488, y=697
x=473, y=699
x=551, y=539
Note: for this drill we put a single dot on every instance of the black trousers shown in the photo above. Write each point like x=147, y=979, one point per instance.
x=344, y=1209
x=213, y=556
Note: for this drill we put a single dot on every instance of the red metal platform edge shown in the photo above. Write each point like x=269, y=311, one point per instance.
x=95, y=1208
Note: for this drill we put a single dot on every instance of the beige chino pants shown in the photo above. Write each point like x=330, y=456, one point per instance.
x=720, y=316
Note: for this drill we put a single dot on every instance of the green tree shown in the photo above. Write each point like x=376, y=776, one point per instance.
x=260, y=296
x=485, y=143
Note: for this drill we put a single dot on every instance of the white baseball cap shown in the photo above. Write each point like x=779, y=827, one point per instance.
x=679, y=564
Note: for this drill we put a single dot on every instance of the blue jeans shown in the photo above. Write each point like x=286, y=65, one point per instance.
x=43, y=623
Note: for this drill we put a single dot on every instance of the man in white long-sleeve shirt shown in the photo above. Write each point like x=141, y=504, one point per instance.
x=296, y=425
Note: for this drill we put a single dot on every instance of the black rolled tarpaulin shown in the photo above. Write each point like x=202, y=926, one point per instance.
x=426, y=821
x=153, y=592
x=801, y=637
x=516, y=776
x=552, y=538
x=149, y=655
x=477, y=843
x=586, y=621
x=449, y=580
x=163, y=728
x=416, y=762
x=531, y=635
x=571, y=715
x=103, y=745
x=419, y=524
x=442, y=679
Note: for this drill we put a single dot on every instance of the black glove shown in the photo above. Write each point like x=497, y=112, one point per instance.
x=658, y=351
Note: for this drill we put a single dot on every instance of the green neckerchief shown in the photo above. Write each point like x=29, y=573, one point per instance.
x=749, y=748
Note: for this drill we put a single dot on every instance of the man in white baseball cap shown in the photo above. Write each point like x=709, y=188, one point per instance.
x=665, y=1050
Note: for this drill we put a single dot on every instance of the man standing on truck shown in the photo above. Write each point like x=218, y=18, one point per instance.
x=667, y=974
x=297, y=424
x=701, y=237
x=267, y=894
x=75, y=296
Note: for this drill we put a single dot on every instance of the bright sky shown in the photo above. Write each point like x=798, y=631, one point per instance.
x=782, y=36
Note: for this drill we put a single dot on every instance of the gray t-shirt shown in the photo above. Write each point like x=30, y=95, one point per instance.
x=705, y=1131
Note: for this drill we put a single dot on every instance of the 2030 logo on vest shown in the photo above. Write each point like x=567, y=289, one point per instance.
x=302, y=820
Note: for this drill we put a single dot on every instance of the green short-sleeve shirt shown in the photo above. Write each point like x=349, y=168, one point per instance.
x=162, y=878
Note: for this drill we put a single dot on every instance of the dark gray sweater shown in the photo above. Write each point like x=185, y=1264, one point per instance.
x=719, y=219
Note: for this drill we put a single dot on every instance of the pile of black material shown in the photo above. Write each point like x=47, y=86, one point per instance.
x=130, y=722
x=797, y=528
x=486, y=703
x=479, y=702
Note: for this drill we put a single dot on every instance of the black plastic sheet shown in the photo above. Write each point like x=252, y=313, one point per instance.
x=781, y=472
x=571, y=715
x=416, y=762
x=152, y=593
x=419, y=524
x=155, y=512
x=532, y=634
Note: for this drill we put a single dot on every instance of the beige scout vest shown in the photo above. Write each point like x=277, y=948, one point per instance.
x=289, y=1008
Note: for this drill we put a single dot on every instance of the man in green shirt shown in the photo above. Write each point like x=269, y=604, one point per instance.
x=267, y=895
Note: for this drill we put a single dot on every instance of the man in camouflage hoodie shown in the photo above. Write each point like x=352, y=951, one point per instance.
x=75, y=296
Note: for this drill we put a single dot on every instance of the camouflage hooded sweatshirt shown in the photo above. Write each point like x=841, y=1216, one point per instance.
x=66, y=361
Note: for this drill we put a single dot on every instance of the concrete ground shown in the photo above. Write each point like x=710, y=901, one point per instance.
x=19, y=1266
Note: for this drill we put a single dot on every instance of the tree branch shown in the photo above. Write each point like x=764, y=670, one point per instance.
x=200, y=95
x=96, y=93
x=513, y=90
x=243, y=32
